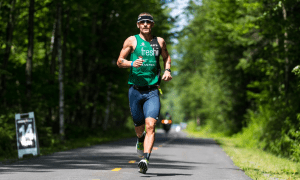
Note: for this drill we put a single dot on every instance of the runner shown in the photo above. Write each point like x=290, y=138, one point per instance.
x=144, y=80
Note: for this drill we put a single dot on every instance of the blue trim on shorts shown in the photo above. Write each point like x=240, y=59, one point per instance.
x=143, y=104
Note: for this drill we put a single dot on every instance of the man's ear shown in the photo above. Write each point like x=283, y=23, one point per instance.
x=137, y=25
x=152, y=25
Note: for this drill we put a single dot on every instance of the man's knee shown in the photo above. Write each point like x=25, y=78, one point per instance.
x=150, y=124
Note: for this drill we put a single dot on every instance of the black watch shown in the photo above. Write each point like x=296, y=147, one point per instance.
x=168, y=70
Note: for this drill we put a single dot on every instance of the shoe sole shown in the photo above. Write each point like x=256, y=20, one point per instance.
x=143, y=167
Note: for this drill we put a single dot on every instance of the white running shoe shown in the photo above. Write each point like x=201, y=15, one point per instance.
x=143, y=165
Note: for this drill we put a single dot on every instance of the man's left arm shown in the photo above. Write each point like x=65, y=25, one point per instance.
x=167, y=61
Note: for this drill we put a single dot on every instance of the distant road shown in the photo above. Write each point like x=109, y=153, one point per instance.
x=174, y=157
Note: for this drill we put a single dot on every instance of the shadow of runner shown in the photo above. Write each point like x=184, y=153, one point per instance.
x=164, y=174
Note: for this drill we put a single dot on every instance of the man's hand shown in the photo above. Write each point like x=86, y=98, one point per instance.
x=167, y=76
x=138, y=63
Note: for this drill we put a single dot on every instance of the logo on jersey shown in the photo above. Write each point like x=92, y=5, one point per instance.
x=147, y=52
x=142, y=44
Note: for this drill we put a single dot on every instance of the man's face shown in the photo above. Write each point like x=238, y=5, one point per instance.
x=145, y=26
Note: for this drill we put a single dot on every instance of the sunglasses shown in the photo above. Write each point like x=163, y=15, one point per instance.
x=145, y=21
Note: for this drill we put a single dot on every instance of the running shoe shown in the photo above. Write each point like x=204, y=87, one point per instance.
x=140, y=149
x=143, y=165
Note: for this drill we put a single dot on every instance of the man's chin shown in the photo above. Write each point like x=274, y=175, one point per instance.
x=146, y=32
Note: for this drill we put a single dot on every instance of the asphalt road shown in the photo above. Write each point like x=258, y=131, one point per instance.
x=173, y=157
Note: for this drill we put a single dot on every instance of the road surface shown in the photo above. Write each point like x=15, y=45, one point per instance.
x=173, y=157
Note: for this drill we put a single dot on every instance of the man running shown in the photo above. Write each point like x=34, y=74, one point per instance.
x=144, y=79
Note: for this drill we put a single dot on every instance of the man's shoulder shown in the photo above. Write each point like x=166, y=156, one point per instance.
x=160, y=39
x=130, y=39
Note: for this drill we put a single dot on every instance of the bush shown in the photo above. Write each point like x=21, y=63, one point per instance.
x=7, y=137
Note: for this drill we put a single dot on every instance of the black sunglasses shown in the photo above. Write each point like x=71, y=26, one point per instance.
x=145, y=21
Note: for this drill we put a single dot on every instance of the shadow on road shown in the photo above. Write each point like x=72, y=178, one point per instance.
x=106, y=157
x=164, y=174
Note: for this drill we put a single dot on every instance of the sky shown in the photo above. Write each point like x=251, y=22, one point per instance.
x=177, y=7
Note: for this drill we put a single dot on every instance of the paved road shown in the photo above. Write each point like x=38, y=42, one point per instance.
x=174, y=157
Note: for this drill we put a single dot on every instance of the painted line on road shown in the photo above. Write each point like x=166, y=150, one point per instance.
x=133, y=161
x=116, y=169
x=155, y=148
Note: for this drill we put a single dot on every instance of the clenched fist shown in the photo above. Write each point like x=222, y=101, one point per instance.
x=138, y=63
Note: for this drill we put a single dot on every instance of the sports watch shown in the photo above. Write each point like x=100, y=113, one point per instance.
x=168, y=70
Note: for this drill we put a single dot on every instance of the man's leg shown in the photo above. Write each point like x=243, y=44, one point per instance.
x=151, y=111
x=150, y=135
x=139, y=130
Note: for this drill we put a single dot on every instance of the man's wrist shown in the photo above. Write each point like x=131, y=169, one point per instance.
x=131, y=63
x=168, y=70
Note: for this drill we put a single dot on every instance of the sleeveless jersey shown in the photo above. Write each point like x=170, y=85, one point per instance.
x=149, y=72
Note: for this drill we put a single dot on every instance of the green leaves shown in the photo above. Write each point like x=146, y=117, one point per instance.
x=237, y=58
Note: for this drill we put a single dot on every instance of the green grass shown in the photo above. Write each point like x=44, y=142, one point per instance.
x=257, y=164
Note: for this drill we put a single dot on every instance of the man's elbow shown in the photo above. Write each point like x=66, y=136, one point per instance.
x=118, y=64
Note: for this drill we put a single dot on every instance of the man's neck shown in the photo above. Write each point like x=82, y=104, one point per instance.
x=146, y=37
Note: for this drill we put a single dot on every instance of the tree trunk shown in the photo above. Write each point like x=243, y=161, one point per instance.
x=286, y=84
x=53, y=49
x=64, y=50
x=60, y=74
x=8, y=43
x=107, y=107
x=29, y=51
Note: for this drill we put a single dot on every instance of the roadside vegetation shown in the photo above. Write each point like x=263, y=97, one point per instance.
x=237, y=72
x=257, y=163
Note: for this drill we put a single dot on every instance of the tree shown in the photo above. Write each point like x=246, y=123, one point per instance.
x=30, y=50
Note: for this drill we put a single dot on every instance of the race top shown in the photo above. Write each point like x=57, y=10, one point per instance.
x=149, y=72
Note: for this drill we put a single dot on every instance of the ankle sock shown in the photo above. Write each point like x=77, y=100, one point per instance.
x=147, y=156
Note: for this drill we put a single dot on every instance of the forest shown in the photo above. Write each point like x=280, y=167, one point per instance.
x=235, y=68
x=238, y=72
x=58, y=60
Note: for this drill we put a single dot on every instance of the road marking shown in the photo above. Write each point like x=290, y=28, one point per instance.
x=155, y=148
x=131, y=161
x=116, y=169
x=160, y=146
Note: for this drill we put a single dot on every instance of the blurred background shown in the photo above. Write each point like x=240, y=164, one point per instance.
x=234, y=65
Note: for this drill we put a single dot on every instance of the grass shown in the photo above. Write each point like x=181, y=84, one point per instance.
x=257, y=164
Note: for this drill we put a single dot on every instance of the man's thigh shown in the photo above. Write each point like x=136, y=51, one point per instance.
x=151, y=107
x=136, y=107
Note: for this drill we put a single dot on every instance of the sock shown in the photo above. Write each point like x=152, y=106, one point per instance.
x=141, y=139
x=147, y=156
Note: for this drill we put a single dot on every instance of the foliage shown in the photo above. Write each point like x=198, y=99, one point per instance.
x=95, y=88
x=235, y=71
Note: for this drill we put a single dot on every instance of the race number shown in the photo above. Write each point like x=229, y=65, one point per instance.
x=26, y=135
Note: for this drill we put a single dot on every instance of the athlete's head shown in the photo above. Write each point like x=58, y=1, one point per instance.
x=145, y=22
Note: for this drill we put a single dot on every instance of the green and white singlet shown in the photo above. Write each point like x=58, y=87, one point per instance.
x=149, y=72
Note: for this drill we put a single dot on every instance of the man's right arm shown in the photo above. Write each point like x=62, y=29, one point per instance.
x=127, y=48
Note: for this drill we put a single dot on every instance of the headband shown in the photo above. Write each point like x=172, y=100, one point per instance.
x=142, y=18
